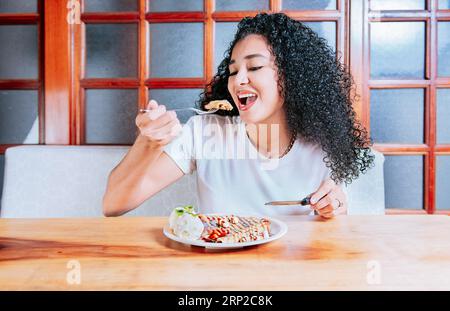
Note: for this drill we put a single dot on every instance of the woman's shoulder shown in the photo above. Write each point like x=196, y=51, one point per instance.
x=309, y=147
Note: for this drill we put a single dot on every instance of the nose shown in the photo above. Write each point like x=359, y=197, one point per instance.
x=242, y=77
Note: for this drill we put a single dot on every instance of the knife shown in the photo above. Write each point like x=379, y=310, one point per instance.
x=305, y=201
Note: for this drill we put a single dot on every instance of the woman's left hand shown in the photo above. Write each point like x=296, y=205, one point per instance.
x=329, y=200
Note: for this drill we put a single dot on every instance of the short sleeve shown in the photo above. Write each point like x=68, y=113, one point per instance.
x=181, y=150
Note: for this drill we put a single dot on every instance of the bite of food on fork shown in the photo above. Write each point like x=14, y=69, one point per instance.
x=211, y=107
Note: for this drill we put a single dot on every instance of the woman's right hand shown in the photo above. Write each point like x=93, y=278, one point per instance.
x=158, y=125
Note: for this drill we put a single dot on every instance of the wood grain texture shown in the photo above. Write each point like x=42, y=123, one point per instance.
x=105, y=17
x=175, y=83
x=175, y=17
x=41, y=72
x=208, y=38
x=399, y=149
x=275, y=6
x=57, y=73
x=143, y=59
x=18, y=18
x=109, y=83
x=356, y=57
x=412, y=251
x=19, y=84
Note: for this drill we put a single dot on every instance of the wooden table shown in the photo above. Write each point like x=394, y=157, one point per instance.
x=345, y=253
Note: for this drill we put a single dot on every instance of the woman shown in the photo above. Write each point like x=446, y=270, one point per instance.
x=280, y=78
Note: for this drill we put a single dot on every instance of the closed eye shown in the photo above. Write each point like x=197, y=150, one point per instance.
x=249, y=69
x=255, y=68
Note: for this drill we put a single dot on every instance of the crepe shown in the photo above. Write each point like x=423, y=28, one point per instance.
x=234, y=229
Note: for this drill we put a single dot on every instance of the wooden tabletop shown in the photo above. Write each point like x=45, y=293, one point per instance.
x=345, y=253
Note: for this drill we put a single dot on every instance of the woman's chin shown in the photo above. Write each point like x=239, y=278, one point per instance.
x=254, y=117
x=249, y=117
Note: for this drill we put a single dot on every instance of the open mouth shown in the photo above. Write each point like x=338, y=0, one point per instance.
x=246, y=100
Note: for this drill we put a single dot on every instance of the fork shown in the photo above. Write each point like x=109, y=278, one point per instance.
x=198, y=111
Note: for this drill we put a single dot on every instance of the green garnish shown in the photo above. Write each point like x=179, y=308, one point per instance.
x=179, y=211
x=189, y=209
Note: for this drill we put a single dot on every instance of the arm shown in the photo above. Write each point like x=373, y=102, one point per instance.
x=146, y=168
x=142, y=173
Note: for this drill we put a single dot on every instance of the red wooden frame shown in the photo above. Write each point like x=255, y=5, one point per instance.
x=429, y=149
x=29, y=84
x=208, y=17
x=62, y=117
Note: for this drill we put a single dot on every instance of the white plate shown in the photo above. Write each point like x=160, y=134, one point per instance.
x=277, y=229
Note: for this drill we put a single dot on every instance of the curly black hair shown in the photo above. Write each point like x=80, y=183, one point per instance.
x=316, y=89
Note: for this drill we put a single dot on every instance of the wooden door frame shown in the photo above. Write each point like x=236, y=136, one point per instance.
x=63, y=89
x=58, y=66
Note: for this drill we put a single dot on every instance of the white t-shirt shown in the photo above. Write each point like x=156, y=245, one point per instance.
x=233, y=177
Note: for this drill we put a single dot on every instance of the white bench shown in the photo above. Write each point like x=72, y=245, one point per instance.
x=69, y=181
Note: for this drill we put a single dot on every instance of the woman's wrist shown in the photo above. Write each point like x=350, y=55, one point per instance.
x=148, y=143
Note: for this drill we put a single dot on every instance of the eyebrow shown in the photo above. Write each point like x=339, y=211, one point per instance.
x=248, y=57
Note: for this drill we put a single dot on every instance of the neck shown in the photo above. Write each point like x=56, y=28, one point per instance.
x=271, y=139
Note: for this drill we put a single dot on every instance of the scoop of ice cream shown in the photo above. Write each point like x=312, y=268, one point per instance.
x=188, y=226
x=176, y=213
